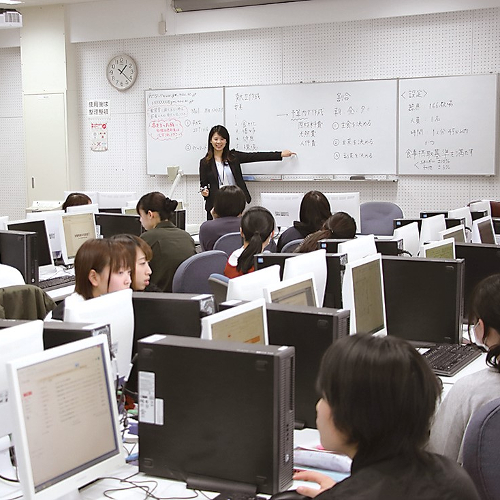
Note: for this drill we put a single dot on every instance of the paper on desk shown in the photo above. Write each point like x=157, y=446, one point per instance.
x=320, y=459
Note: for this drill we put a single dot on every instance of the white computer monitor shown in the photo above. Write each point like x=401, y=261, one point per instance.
x=346, y=202
x=129, y=210
x=483, y=231
x=15, y=342
x=115, y=199
x=444, y=249
x=115, y=309
x=66, y=430
x=410, y=235
x=481, y=206
x=75, y=230
x=92, y=208
x=299, y=291
x=312, y=262
x=285, y=207
x=245, y=323
x=455, y=232
x=52, y=220
x=251, y=286
x=358, y=247
x=3, y=222
x=431, y=227
x=363, y=295
x=462, y=213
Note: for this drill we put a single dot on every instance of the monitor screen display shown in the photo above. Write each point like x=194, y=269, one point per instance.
x=76, y=230
x=299, y=291
x=444, y=249
x=483, y=227
x=43, y=246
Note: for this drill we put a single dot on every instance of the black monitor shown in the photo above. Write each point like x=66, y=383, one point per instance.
x=335, y=266
x=108, y=225
x=218, y=415
x=427, y=213
x=403, y=222
x=310, y=330
x=453, y=222
x=37, y=226
x=478, y=214
x=423, y=299
x=19, y=249
x=481, y=260
x=496, y=224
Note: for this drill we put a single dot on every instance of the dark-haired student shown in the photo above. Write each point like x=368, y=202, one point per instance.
x=471, y=392
x=257, y=229
x=171, y=246
x=378, y=396
x=229, y=203
x=76, y=199
x=339, y=226
x=314, y=211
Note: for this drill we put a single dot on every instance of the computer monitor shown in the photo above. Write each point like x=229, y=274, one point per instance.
x=3, y=221
x=75, y=230
x=405, y=221
x=52, y=220
x=410, y=235
x=115, y=199
x=108, y=225
x=45, y=260
x=251, y=286
x=462, y=213
x=383, y=246
x=359, y=247
x=218, y=415
x=311, y=262
x=129, y=210
x=424, y=299
x=114, y=309
x=457, y=233
x=245, y=323
x=444, y=249
x=15, y=342
x=92, y=208
x=285, y=207
x=346, y=202
x=299, y=291
x=481, y=206
x=482, y=231
x=363, y=295
x=431, y=226
x=66, y=431
x=426, y=214
x=56, y=333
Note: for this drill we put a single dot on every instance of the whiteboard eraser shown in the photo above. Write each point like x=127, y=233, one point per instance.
x=357, y=178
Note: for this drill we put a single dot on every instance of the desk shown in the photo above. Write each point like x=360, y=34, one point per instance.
x=58, y=294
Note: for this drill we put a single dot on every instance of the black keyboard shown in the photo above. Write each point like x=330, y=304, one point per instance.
x=448, y=359
x=237, y=495
x=57, y=282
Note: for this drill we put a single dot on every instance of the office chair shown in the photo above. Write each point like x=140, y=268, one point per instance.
x=291, y=245
x=377, y=217
x=482, y=449
x=218, y=285
x=229, y=242
x=192, y=275
x=24, y=302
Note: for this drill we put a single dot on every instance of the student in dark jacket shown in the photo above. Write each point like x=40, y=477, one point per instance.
x=222, y=166
x=171, y=246
x=378, y=396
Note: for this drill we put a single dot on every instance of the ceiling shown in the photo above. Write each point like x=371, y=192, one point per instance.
x=36, y=3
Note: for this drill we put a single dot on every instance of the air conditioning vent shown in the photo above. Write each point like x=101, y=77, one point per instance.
x=191, y=5
x=10, y=19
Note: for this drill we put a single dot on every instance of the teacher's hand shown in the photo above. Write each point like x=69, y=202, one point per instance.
x=286, y=153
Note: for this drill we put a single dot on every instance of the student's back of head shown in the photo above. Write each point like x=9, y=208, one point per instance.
x=76, y=199
x=229, y=201
x=157, y=202
x=314, y=210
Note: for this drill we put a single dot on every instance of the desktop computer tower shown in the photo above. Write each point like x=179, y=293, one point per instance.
x=19, y=249
x=56, y=333
x=335, y=265
x=218, y=415
x=179, y=218
x=310, y=330
x=424, y=298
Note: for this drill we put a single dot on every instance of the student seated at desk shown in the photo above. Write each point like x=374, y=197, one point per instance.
x=76, y=199
x=472, y=391
x=338, y=226
x=257, y=229
x=101, y=266
x=378, y=398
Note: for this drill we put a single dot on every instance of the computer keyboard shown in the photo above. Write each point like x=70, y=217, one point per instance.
x=57, y=282
x=448, y=359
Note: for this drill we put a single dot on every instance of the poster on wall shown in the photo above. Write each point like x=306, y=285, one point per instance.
x=98, y=111
x=99, y=138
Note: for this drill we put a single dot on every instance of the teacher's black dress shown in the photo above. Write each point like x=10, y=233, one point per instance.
x=210, y=177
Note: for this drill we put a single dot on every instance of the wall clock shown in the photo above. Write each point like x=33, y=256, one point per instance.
x=122, y=72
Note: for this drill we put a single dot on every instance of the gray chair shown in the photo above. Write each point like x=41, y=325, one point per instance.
x=229, y=242
x=218, y=285
x=482, y=450
x=291, y=245
x=192, y=275
x=377, y=217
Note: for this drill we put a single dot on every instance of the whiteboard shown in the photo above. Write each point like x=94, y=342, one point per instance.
x=447, y=126
x=177, y=125
x=335, y=128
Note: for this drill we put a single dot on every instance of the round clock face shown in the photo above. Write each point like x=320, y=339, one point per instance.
x=122, y=72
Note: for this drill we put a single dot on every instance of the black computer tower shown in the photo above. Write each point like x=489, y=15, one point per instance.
x=218, y=415
x=19, y=249
x=311, y=330
x=179, y=218
x=56, y=333
x=424, y=298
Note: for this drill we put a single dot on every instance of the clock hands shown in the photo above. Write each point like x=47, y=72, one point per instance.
x=122, y=70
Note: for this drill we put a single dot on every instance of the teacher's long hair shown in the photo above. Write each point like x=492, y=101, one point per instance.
x=222, y=131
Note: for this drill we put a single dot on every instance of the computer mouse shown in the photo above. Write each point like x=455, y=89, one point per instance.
x=289, y=495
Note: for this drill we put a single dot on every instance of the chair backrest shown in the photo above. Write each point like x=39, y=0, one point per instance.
x=218, y=285
x=482, y=449
x=291, y=245
x=24, y=302
x=229, y=242
x=377, y=217
x=192, y=275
